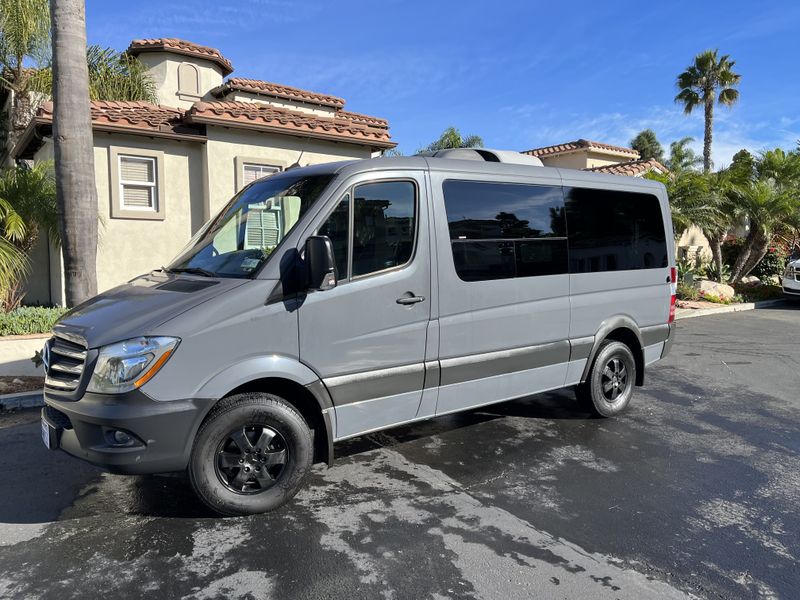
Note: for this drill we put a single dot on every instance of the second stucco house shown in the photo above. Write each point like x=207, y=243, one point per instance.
x=164, y=169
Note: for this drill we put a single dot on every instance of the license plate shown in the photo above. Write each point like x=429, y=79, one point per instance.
x=49, y=435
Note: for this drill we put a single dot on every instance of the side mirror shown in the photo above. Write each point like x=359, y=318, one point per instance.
x=320, y=266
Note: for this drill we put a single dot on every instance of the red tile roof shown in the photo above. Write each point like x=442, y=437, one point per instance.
x=276, y=90
x=181, y=47
x=364, y=119
x=128, y=115
x=631, y=168
x=579, y=145
x=256, y=115
x=155, y=120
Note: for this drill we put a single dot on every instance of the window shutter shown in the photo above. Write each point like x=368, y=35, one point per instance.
x=137, y=196
x=136, y=169
x=251, y=173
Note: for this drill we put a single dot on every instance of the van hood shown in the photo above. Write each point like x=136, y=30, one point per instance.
x=137, y=307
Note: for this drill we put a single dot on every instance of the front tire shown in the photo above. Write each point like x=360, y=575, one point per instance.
x=608, y=389
x=250, y=455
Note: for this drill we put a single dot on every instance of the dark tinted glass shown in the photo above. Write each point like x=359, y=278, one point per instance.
x=384, y=221
x=614, y=231
x=336, y=228
x=504, y=230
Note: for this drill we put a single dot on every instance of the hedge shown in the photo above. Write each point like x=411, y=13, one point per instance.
x=28, y=320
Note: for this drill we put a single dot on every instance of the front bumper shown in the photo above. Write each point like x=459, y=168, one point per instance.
x=163, y=432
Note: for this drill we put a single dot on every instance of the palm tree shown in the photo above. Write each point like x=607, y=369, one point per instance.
x=647, y=145
x=451, y=138
x=768, y=207
x=24, y=40
x=681, y=157
x=709, y=80
x=28, y=196
x=74, y=161
x=112, y=76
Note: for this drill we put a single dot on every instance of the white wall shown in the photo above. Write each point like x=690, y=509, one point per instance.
x=163, y=67
x=224, y=145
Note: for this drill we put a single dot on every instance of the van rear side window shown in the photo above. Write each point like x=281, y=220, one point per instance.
x=610, y=230
x=505, y=230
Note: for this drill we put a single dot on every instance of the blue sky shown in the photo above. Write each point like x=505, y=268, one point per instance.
x=520, y=74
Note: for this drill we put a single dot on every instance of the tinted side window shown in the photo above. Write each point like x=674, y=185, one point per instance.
x=384, y=222
x=614, y=231
x=504, y=230
x=337, y=228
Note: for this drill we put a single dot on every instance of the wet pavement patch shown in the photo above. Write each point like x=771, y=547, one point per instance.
x=693, y=492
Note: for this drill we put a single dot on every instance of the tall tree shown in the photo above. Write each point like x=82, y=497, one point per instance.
x=74, y=160
x=452, y=138
x=24, y=39
x=682, y=157
x=647, y=145
x=710, y=79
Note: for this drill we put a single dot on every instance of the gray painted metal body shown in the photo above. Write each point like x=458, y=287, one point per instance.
x=369, y=362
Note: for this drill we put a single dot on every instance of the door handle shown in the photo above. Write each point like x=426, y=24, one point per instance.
x=410, y=299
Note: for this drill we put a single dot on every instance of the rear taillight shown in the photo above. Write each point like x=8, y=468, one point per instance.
x=673, y=285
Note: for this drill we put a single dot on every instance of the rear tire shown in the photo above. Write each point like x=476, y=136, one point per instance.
x=608, y=389
x=250, y=455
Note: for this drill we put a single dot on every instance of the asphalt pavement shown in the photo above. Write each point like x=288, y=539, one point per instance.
x=691, y=493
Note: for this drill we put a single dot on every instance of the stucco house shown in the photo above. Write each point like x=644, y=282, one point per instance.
x=164, y=169
x=599, y=157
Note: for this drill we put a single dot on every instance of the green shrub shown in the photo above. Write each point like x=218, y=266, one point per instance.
x=773, y=263
x=29, y=319
x=686, y=291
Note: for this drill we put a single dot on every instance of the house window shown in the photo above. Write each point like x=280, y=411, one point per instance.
x=253, y=171
x=137, y=182
x=188, y=80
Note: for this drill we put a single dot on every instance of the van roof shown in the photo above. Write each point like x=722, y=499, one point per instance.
x=574, y=176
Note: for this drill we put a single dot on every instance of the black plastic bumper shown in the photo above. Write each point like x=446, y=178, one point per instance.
x=670, y=340
x=162, y=432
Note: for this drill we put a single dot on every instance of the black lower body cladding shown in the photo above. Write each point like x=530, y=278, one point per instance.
x=161, y=433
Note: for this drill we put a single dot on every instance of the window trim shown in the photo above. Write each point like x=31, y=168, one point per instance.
x=350, y=190
x=241, y=161
x=118, y=208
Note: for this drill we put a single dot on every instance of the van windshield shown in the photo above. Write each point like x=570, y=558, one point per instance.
x=242, y=236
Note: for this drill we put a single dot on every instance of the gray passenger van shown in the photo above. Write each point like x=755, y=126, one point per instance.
x=334, y=300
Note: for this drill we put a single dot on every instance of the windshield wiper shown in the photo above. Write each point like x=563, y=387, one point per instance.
x=193, y=271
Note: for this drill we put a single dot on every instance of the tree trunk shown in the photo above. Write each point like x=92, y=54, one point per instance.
x=74, y=154
x=737, y=272
x=716, y=252
x=709, y=120
x=760, y=248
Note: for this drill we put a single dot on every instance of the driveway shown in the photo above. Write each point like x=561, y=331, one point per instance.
x=693, y=492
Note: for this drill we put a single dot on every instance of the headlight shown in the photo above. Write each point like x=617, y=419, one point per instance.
x=128, y=365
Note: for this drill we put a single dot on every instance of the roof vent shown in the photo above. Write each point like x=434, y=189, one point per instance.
x=486, y=155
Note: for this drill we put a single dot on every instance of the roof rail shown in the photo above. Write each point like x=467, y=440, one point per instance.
x=485, y=154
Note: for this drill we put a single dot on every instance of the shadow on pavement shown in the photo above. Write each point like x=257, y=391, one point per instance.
x=42, y=486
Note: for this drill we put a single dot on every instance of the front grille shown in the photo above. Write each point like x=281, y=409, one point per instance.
x=65, y=364
x=57, y=418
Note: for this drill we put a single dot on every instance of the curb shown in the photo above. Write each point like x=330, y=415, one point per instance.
x=22, y=400
x=689, y=313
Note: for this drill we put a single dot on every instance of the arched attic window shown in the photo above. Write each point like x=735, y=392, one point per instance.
x=188, y=80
